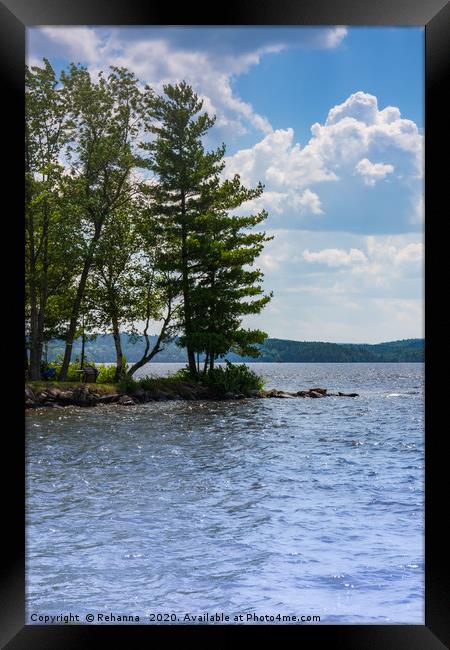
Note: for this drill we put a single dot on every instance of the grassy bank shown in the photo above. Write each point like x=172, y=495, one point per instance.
x=65, y=385
x=232, y=378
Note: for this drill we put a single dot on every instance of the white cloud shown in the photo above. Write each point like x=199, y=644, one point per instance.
x=277, y=203
x=372, y=172
x=382, y=265
x=404, y=311
x=166, y=55
x=386, y=253
x=418, y=215
x=336, y=257
x=280, y=162
x=333, y=37
x=341, y=151
x=81, y=43
x=308, y=202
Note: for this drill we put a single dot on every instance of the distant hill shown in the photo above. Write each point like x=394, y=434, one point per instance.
x=101, y=350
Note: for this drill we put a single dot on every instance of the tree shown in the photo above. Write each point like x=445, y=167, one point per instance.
x=183, y=170
x=48, y=252
x=111, y=291
x=157, y=299
x=228, y=288
x=191, y=204
x=107, y=116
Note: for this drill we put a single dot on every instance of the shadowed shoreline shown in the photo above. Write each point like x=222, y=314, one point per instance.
x=92, y=395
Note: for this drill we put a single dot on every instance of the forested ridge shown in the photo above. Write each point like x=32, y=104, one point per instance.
x=101, y=349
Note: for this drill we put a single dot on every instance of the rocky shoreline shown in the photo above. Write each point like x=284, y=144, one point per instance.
x=87, y=395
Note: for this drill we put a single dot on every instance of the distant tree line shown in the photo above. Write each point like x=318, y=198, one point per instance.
x=100, y=350
x=129, y=221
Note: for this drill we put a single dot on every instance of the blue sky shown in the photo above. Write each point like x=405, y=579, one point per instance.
x=331, y=120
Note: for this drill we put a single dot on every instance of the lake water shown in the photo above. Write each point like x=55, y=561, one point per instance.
x=306, y=507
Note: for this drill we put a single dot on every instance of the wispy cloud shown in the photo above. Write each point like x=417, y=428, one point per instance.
x=207, y=58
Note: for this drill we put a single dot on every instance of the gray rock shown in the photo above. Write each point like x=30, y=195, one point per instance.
x=106, y=399
x=66, y=396
x=126, y=400
x=53, y=392
x=322, y=391
x=186, y=393
x=79, y=393
x=161, y=396
x=29, y=393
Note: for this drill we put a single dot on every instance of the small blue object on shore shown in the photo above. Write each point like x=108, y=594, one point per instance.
x=50, y=373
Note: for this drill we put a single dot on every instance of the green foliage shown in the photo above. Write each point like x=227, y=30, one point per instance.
x=184, y=374
x=50, y=228
x=130, y=385
x=233, y=378
x=127, y=384
x=107, y=374
x=73, y=373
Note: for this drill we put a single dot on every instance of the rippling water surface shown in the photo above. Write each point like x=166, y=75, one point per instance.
x=273, y=506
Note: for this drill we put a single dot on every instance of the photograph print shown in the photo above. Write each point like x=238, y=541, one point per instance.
x=224, y=325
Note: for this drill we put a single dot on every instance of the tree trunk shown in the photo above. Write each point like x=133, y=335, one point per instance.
x=34, y=367
x=149, y=354
x=35, y=348
x=212, y=326
x=83, y=345
x=43, y=293
x=26, y=359
x=186, y=296
x=40, y=321
x=118, y=345
x=77, y=305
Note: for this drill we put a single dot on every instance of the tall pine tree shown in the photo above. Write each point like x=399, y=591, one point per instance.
x=208, y=251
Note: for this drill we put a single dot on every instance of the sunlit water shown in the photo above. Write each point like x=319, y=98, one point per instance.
x=272, y=506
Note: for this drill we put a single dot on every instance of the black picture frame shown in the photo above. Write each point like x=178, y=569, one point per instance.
x=434, y=15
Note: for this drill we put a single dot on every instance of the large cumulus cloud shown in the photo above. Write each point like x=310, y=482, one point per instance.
x=361, y=169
